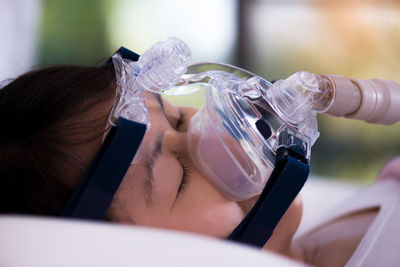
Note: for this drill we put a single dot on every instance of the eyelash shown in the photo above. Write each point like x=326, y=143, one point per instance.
x=185, y=175
x=180, y=121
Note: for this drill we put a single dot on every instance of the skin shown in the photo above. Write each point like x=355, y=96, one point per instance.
x=333, y=244
x=199, y=207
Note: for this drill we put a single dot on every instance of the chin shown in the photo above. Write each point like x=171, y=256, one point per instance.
x=247, y=204
x=297, y=207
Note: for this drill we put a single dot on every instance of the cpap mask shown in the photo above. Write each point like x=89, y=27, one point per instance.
x=234, y=137
x=250, y=138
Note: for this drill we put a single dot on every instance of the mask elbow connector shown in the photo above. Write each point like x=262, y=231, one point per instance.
x=162, y=66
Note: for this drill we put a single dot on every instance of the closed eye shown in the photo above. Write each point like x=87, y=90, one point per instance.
x=180, y=121
x=185, y=176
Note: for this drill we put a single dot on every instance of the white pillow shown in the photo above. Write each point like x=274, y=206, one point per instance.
x=36, y=241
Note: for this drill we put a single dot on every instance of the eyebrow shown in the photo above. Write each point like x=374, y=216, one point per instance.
x=149, y=166
x=160, y=101
x=152, y=158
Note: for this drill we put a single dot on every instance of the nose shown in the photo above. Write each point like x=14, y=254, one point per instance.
x=188, y=112
x=176, y=142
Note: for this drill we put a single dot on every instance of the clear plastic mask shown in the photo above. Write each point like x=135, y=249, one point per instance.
x=234, y=137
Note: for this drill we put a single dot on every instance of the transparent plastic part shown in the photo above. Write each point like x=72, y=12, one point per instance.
x=157, y=70
x=224, y=140
x=295, y=96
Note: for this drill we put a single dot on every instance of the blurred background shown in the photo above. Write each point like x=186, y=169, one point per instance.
x=273, y=38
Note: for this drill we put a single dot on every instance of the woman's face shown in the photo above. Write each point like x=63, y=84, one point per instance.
x=165, y=189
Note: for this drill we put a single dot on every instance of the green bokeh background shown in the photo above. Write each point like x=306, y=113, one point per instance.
x=73, y=32
x=346, y=42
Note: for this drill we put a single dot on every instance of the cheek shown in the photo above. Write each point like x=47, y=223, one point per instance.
x=297, y=211
x=216, y=220
x=291, y=220
x=203, y=209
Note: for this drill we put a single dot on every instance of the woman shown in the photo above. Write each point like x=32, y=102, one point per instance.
x=54, y=121
x=56, y=128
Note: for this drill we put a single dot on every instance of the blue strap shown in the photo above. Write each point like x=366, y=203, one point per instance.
x=287, y=179
x=95, y=192
x=125, y=53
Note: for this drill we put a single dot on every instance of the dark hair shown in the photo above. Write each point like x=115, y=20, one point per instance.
x=52, y=123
